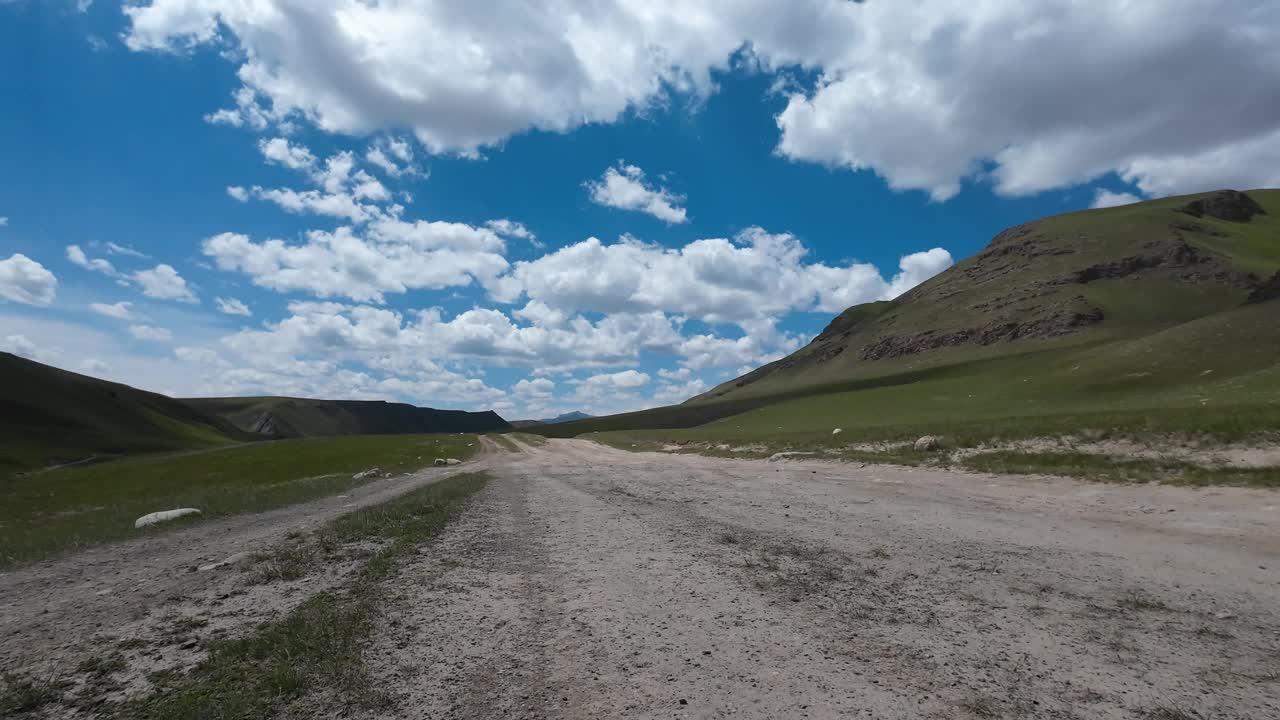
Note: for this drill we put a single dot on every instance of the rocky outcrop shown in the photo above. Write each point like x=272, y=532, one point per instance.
x=1229, y=205
x=1063, y=320
x=1267, y=290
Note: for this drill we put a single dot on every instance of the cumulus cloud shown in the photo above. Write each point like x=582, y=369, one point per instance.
x=150, y=333
x=282, y=152
x=232, y=306
x=624, y=187
x=119, y=311
x=1052, y=94
x=926, y=94
x=116, y=249
x=78, y=257
x=1105, y=198
x=390, y=256
x=512, y=229
x=26, y=281
x=3, y=221
x=164, y=283
x=755, y=275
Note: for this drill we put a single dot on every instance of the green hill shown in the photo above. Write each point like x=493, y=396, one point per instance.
x=283, y=417
x=1160, y=313
x=50, y=416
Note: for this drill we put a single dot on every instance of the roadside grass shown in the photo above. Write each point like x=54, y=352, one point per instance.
x=1113, y=469
x=504, y=442
x=530, y=439
x=59, y=511
x=318, y=647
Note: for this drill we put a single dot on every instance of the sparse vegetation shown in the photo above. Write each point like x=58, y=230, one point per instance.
x=71, y=508
x=320, y=643
x=1116, y=469
x=504, y=442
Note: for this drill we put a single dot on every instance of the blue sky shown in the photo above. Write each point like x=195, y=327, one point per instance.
x=600, y=207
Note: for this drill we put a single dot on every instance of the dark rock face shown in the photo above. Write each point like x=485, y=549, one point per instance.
x=1229, y=205
x=1173, y=253
x=1268, y=290
x=1063, y=320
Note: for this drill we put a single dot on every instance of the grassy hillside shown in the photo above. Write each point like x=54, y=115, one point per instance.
x=50, y=416
x=1137, y=317
x=70, y=508
x=283, y=417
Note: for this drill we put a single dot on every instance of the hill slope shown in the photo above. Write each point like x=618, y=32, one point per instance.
x=1162, y=304
x=50, y=416
x=282, y=417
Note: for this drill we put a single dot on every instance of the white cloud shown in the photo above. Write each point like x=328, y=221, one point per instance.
x=3, y=221
x=394, y=157
x=926, y=94
x=1105, y=198
x=232, y=306
x=281, y=152
x=83, y=5
x=119, y=311
x=26, y=281
x=1053, y=93
x=150, y=333
x=624, y=187
x=756, y=275
x=94, y=365
x=511, y=228
x=391, y=256
x=672, y=393
x=77, y=257
x=164, y=283
x=115, y=249
x=238, y=192
x=21, y=346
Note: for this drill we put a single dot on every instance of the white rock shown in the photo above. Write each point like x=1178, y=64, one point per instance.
x=453, y=461
x=371, y=472
x=229, y=560
x=788, y=455
x=928, y=442
x=163, y=516
x=441, y=461
x=837, y=431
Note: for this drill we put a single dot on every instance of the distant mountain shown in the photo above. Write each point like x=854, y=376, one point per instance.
x=50, y=416
x=566, y=417
x=1160, y=303
x=284, y=417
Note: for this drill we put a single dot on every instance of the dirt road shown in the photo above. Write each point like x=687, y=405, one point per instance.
x=587, y=582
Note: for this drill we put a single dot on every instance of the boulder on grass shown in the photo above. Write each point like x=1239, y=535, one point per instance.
x=453, y=461
x=928, y=442
x=371, y=472
x=441, y=461
x=163, y=516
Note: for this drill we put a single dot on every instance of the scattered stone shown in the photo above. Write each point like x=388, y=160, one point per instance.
x=789, y=455
x=928, y=442
x=441, y=461
x=453, y=461
x=837, y=431
x=371, y=472
x=229, y=560
x=163, y=516
x=1225, y=615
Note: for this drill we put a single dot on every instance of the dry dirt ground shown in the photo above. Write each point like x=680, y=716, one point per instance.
x=588, y=582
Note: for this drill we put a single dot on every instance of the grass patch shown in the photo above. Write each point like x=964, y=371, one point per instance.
x=319, y=645
x=1111, y=469
x=530, y=439
x=67, y=509
x=25, y=695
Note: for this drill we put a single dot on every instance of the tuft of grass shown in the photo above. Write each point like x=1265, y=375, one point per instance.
x=68, y=509
x=727, y=538
x=1138, y=600
x=320, y=644
x=26, y=695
